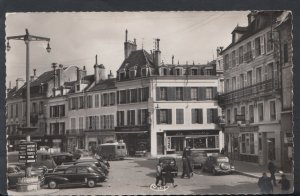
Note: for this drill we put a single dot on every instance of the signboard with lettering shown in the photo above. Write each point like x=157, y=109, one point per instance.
x=27, y=152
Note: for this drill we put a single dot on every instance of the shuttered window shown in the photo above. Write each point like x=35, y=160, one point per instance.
x=179, y=93
x=131, y=117
x=212, y=115
x=96, y=100
x=145, y=93
x=123, y=97
x=120, y=118
x=133, y=95
x=179, y=116
x=194, y=93
x=163, y=93
x=112, y=99
x=164, y=116
x=197, y=116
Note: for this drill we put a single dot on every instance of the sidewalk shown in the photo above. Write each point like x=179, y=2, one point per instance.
x=42, y=191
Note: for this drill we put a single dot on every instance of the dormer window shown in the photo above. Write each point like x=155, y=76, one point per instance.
x=78, y=87
x=178, y=72
x=194, y=72
x=144, y=72
x=122, y=75
x=165, y=71
x=132, y=73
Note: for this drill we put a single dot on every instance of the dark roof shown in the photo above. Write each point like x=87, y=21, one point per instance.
x=240, y=29
x=138, y=58
x=104, y=84
x=44, y=78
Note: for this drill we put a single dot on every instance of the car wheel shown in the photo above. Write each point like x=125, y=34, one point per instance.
x=52, y=184
x=91, y=183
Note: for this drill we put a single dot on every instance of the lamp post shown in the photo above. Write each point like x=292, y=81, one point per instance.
x=27, y=38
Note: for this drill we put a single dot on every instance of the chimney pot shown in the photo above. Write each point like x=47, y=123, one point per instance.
x=172, y=59
x=34, y=72
x=84, y=67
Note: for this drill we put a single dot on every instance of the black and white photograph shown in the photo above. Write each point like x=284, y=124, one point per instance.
x=149, y=103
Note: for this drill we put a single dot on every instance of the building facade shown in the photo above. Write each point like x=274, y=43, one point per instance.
x=252, y=99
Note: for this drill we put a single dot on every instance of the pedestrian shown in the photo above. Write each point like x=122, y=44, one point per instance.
x=285, y=184
x=185, y=168
x=169, y=176
x=222, y=151
x=272, y=170
x=189, y=159
x=265, y=184
x=159, y=176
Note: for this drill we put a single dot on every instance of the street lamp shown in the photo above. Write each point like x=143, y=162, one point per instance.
x=27, y=38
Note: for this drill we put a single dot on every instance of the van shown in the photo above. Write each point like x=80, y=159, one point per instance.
x=43, y=158
x=112, y=151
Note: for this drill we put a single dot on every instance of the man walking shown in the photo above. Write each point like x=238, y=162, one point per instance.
x=285, y=184
x=185, y=168
x=159, y=176
x=272, y=170
x=265, y=184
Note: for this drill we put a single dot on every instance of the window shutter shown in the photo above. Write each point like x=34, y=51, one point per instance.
x=118, y=118
x=157, y=93
x=112, y=121
x=139, y=117
x=169, y=116
x=200, y=115
x=147, y=93
x=118, y=99
x=215, y=115
x=209, y=115
x=187, y=93
x=237, y=57
x=127, y=96
x=128, y=117
x=87, y=122
x=69, y=104
x=139, y=95
x=262, y=44
x=133, y=117
x=171, y=93
x=194, y=120
x=201, y=93
x=253, y=48
x=214, y=92
x=229, y=61
x=158, y=116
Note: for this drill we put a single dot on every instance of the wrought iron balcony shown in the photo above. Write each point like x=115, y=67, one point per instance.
x=264, y=88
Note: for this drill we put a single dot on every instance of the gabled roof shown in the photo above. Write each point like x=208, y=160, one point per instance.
x=104, y=85
x=138, y=58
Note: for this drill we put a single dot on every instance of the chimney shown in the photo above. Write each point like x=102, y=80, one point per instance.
x=172, y=59
x=99, y=71
x=54, y=78
x=9, y=87
x=128, y=45
x=78, y=74
x=110, y=75
x=251, y=17
x=19, y=83
x=157, y=54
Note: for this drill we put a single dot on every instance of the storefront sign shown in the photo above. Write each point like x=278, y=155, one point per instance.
x=249, y=129
x=27, y=152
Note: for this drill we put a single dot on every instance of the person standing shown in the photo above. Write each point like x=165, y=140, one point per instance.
x=169, y=176
x=189, y=159
x=265, y=184
x=272, y=170
x=285, y=184
x=185, y=168
x=159, y=176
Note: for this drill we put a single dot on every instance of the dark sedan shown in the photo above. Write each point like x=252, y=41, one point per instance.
x=218, y=164
x=198, y=158
x=169, y=161
x=74, y=175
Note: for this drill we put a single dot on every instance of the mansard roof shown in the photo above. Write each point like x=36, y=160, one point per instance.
x=104, y=85
x=138, y=58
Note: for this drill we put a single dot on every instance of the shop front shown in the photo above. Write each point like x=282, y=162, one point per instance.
x=250, y=144
x=97, y=137
x=136, y=138
x=232, y=147
x=206, y=140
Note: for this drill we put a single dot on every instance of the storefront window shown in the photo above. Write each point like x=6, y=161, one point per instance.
x=200, y=142
x=252, y=143
x=189, y=142
x=211, y=143
x=243, y=144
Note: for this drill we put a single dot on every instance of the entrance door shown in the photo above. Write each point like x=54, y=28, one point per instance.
x=271, y=149
x=177, y=143
x=160, y=143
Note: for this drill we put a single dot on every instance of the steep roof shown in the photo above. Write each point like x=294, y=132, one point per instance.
x=104, y=84
x=44, y=78
x=138, y=58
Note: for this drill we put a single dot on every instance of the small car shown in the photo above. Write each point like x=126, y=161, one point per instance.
x=79, y=153
x=198, y=158
x=169, y=161
x=74, y=175
x=17, y=170
x=97, y=163
x=62, y=157
x=218, y=164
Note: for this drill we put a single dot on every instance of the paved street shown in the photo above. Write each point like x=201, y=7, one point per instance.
x=135, y=177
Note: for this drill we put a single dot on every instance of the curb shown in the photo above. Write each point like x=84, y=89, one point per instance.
x=246, y=174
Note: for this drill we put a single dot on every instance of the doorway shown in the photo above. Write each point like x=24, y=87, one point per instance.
x=271, y=149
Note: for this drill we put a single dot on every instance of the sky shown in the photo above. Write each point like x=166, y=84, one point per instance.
x=77, y=37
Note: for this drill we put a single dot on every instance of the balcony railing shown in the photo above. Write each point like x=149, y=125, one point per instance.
x=72, y=132
x=259, y=89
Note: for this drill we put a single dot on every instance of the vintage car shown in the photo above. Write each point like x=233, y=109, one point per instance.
x=79, y=153
x=17, y=170
x=169, y=161
x=74, y=175
x=198, y=158
x=218, y=164
x=62, y=157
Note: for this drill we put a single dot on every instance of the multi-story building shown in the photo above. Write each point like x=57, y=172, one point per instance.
x=163, y=108
x=252, y=100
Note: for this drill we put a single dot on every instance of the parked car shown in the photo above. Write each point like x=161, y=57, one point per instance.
x=62, y=157
x=99, y=158
x=79, y=153
x=169, y=161
x=74, y=175
x=94, y=166
x=17, y=170
x=218, y=164
x=198, y=158
x=96, y=162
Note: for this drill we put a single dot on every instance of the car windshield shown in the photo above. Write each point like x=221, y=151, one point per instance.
x=166, y=161
x=223, y=159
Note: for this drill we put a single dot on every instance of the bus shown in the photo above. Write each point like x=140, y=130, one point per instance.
x=112, y=151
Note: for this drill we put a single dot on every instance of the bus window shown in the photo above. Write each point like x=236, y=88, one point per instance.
x=123, y=147
x=119, y=147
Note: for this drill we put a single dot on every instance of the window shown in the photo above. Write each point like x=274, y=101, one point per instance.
x=17, y=110
x=145, y=94
x=82, y=170
x=132, y=74
x=133, y=95
x=285, y=53
x=227, y=85
x=241, y=55
x=165, y=71
x=123, y=97
x=89, y=101
x=163, y=93
x=112, y=121
x=272, y=110
x=41, y=108
x=194, y=93
x=122, y=75
x=71, y=170
x=211, y=142
x=11, y=110
x=209, y=93
x=248, y=54
x=90, y=122
x=269, y=41
x=81, y=102
x=233, y=58
x=34, y=107
x=249, y=78
x=179, y=116
x=251, y=114
x=270, y=71
x=234, y=83
x=78, y=87
x=212, y=115
x=179, y=93
x=164, y=116
x=257, y=46
x=228, y=116
x=226, y=62
x=242, y=82
x=197, y=116
x=97, y=122
x=234, y=115
x=243, y=143
x=57, y=111
x=243, y=113
x=178, y=72
x=251, y=143
x=105, y=99
x=97, y=100
x=142, y=116
x=258, y=75
x=131, y=117
x=73, y=123
x=112, y=99
x=144, y=72
x=81, y=123
x=120, y=118
x=194, y=72
x=260, y=107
